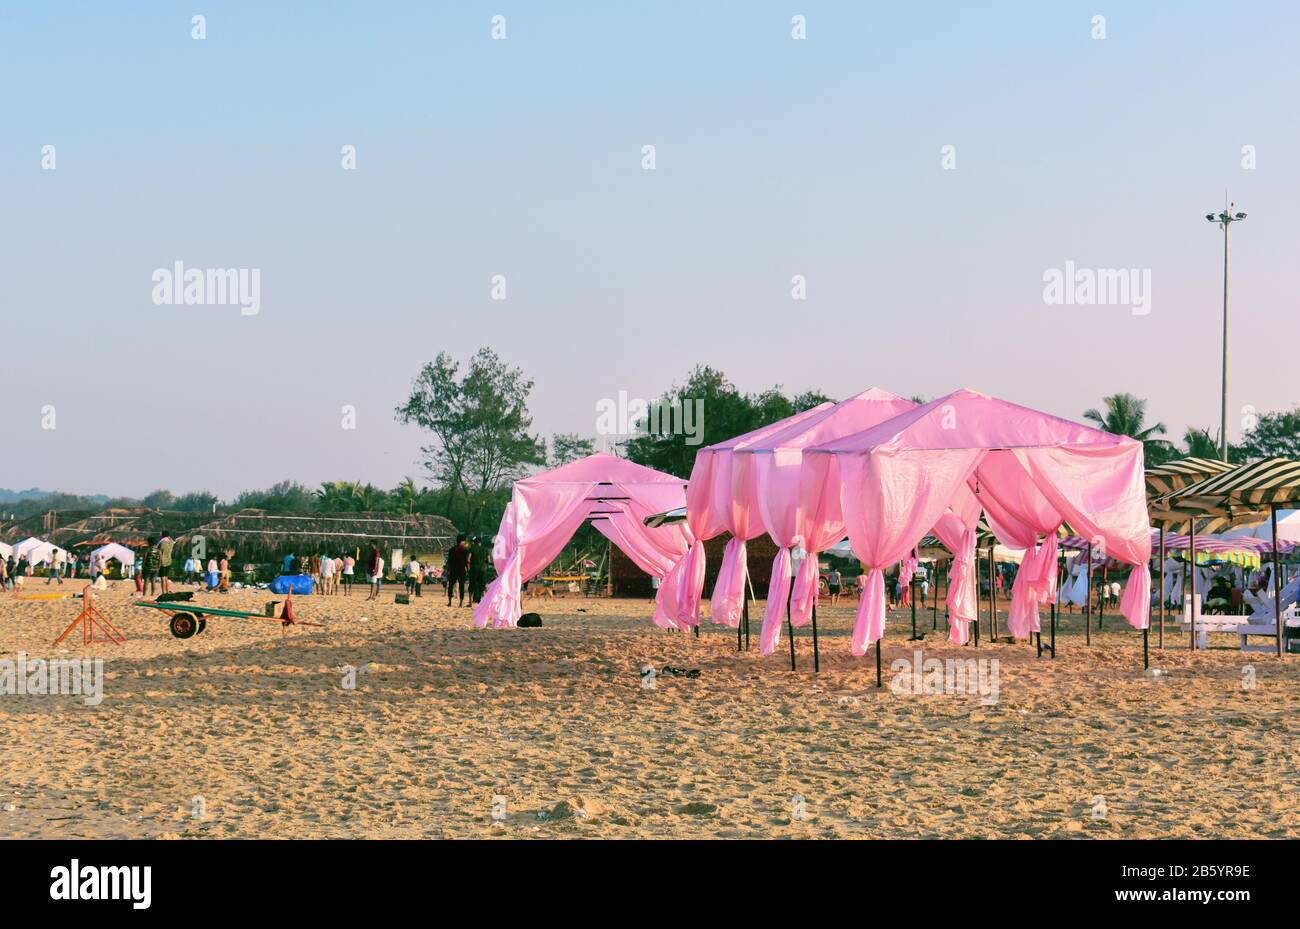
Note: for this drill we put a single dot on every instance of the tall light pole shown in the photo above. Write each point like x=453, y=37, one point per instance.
x=1225, y=219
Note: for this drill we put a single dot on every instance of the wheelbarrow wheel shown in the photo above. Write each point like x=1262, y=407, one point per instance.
x=184, y=625
x=203, y=624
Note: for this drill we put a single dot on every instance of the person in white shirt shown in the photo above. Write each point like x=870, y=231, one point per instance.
x=326, y=574
x=415, y=578
x=376, y=578
x=56, y=568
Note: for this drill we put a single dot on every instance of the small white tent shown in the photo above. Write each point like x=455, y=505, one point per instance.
x=100, y=556
x=38, y=551
x=6, y=550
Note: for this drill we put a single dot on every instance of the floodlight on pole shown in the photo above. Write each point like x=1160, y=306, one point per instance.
x=1224, y=220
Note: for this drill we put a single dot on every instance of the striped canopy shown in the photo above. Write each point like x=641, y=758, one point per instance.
x=1175, y=514
x=1175, y=475
x=1267, y=483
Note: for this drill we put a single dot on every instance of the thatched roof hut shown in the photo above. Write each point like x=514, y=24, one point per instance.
x=46, y=525
x=251, y=530
x=130, y=526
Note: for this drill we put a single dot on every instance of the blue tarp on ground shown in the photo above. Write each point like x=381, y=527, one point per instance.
x=299, y=583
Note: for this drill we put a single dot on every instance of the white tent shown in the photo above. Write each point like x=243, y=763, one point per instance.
x=1288, y=528
x=100, y=556
x=38, y=551
x=6, y=550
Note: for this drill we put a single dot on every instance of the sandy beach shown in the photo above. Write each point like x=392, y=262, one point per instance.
x=451, y=732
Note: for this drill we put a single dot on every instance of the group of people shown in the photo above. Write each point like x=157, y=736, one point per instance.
x=154, y=568
x=330, y=574
x=464, y=569
x=464, y=565
x=62, y=565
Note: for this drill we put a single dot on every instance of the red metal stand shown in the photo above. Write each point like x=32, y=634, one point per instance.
x=89, y=618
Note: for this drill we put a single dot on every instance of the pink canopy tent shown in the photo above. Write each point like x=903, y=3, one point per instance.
x=545, y=510
x=934, y=468
x=711, y=511
x=766, y=474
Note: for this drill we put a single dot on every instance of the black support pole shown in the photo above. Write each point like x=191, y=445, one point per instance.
x=745, y=612
x=1101, y=604
x=1277, y=580
x=1191, y=572
x=879, y=642
x=1163, y=595
x=1087, y=598
x=817, y=658
x=744, y=616
x=1053, y=642
x=934, y=611
x=916, y=637
x=789, y=626
x=993, y=594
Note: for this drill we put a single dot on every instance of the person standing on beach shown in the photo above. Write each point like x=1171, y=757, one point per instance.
x=165, y=547
x=56, y=568
x=349, y=572
x=376, y=577
x=416, y=575
x=150, y=567
x=458, y=561
x=478, y=570
x=326, y=574
x=833, y=586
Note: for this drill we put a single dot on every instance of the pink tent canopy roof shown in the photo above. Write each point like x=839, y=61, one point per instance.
x=942, y=463
x=601, y=468
x=829, y=423
x=966, y=419
x=763, y=432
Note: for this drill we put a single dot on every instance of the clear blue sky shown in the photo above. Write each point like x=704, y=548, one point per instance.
x=522, y=157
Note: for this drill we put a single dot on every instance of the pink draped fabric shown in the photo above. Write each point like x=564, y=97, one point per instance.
x=1101, y=493
x=768, y=479
x=956, y=529
x=897, y=479
x=546, y=509
x=1035, y=585
x=963, y=608
x=710, y=513
x=885, y=525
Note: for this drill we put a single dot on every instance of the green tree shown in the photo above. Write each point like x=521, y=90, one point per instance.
x=199, y=501
x=726, y=413
x=406, y=495
x=568, y=446
x=1126, y=415
x=1274, y=435
x=160, y=500
x=480, y=425
x=284, y=497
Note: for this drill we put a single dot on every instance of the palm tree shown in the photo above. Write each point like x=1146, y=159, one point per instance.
x=1200, y=444
x=1126, y=415
x=406, y=495
x=334, y=496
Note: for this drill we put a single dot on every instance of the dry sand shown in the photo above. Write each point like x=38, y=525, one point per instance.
x=553, y=726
